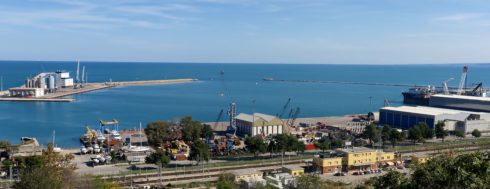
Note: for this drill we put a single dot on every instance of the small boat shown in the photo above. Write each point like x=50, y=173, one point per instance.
x=96, y=148
x=90, y=149
x=101, y=159
x=268, y=79
x=83, y=150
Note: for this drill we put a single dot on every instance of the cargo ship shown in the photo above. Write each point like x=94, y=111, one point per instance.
x=418, y=95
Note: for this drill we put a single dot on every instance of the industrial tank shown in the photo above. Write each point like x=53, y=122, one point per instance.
x=51, y=83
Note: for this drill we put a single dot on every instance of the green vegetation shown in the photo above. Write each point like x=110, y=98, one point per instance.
x=460, y=134
x=420, y=132
x=476, y=133
x=226, y=181
x=159, y=157
x=372, y=133
x=256, y=145
x=463, y=171
x=50, y=170
x=158, y=132
x=323, y=144
x=286, y=143
x=199, y=151
x=440, y=131
x=395, y=136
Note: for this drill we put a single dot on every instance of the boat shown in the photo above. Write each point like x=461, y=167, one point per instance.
x=139, y=148
x=268, y=79
x=55, y=148
x=83, y=150
x=418, y=95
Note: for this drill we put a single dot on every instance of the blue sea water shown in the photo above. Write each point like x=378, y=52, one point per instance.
x=202, y=100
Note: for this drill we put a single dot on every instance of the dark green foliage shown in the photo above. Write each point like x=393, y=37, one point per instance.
x=464, y=171
x=199, y=151
x=459, y=134
x=372, y=133
x=476, y=133
x=323, y=144
x=158, y=132
x=391, y=180
x=420, y=132
x=192, y=130
x=286, y=143
x=158, y=157
x=396, y=136
x=226, y=181
x=207, y=132
x=385, y=133
x=256, y=144
x=440, y=131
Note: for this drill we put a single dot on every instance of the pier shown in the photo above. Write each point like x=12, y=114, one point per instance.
x=58, y=95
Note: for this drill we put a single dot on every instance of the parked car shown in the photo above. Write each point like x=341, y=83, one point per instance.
x=358, y=173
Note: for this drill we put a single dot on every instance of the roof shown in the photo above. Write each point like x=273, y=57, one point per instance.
x=293, y=167
x=462, y=97
x=427, y=110
x=240, y=172
x=356, y=150
x=256, y=116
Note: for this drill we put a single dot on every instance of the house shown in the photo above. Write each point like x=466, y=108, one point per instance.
x=294, y=170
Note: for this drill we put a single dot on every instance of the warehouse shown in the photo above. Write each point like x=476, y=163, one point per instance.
x=259, y=124
x=405, y=117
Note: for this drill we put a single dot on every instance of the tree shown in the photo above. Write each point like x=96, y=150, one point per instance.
x=158, y=132
x=440, y=131
x=309, y=182
x=207, y=132
x=256, y=145
x=159, y=157
x=199, y=151
x=415, y=135
x=298, y=146
x=444, y=171
x=396, y=136
x=392, y=179
x=323, y=144
x=372, y=133
x=459, y=134
x=226, y=181
x=191, y=129
x=476, y=133
x=385, y=133
x=55, y=171
x=425, y=130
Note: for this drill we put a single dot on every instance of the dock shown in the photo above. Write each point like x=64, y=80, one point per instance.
x=58, y=95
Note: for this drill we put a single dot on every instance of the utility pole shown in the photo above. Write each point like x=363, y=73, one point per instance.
x=160, y=172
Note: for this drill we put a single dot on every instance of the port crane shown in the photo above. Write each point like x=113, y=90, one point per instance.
x=284, y=108
x=445, y=86
x=114, y=122
x=462, y=81
x=293, y=116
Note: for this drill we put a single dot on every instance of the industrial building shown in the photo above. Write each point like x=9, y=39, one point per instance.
x=405, y=117
x=356, y=159
x=42, y=84
x=461, y=102
x=258, y=124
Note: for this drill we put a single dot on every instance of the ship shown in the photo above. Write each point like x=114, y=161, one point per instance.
x=418, y=95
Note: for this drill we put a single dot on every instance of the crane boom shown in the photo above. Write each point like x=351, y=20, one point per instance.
x=462, y=80
x=284, y=108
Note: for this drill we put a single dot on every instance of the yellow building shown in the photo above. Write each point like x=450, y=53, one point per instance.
x=358, y=158
x=328, y=164
x=294, y=170
x=420, y=158
x=259, y=124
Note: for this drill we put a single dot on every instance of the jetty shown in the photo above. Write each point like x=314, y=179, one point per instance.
x=59, y=94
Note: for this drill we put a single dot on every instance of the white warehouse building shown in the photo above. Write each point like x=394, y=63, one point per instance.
x=405, y=117
x=259, y=124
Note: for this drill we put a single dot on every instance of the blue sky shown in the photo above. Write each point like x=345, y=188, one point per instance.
x=247, y=31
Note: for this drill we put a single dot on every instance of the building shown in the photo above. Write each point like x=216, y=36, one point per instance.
x=358, y=158
x=326, y=163
x=246, y=175
x=26, y=92
x=281, y=180
x=419, y=158
x=405, y=117
x=259, y=124
x=461, y=102
x=294, y=170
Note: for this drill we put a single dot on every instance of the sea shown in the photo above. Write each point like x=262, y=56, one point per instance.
x=218, y=85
